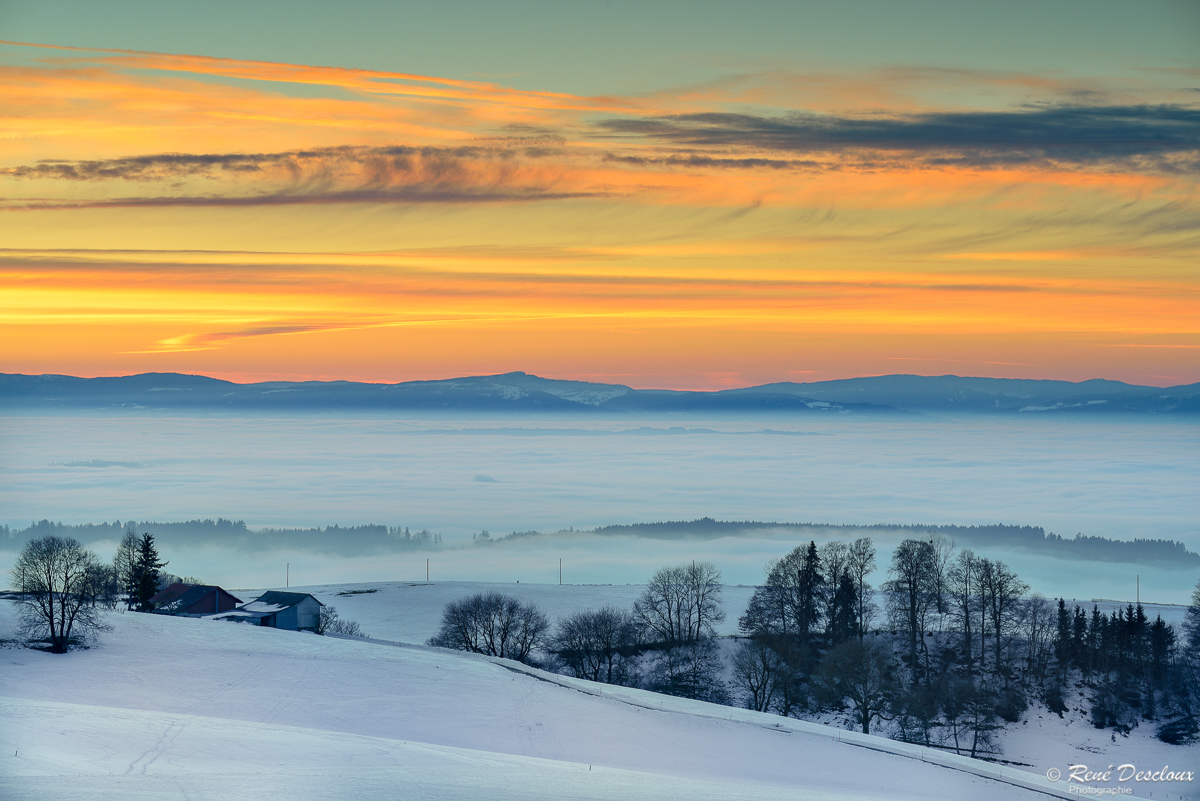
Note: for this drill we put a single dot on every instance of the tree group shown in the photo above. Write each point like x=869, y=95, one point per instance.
x=950, y=648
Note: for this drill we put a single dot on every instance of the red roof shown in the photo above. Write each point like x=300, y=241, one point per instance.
x=169, y=594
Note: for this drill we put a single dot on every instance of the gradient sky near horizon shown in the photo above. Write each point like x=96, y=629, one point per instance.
x=696, y=195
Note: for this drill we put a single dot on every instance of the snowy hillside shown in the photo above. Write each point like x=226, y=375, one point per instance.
x=410, y=612
x=183, y=708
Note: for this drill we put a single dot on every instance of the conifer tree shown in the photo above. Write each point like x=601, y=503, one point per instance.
x=808, y=585
x=843, y=618
x=1094, y=634
x=1062, y=643
x=1079, y=655
x=148, y=567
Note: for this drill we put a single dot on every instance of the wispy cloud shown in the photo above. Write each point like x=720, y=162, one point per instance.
x=695, y=160
x=422, y=87
x=1164, y=137
x=325, y=175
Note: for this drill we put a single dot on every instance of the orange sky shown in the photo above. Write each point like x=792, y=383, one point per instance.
x=255, y=221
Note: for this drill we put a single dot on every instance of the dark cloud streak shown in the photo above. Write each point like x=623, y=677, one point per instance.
x=693, y=160
x=396, y=195
x=178, y=165
x=393, y=174
x=1078, y=134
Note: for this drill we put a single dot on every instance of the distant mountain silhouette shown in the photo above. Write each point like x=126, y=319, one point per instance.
x=991, y=395
x=521, y=392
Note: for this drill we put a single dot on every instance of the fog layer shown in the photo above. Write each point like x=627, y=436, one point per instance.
x=1119, y=478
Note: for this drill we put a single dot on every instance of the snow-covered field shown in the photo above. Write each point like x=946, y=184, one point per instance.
x=181, y=708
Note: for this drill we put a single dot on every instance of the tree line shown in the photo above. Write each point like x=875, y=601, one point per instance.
x=335, y=539
x=1033, y=538
x=948, y=650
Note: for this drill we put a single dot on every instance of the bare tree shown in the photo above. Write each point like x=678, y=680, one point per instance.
x=835, y=560
x=1037, y=620
x=943, y=553
x=762, y=675
x=860, y=562
x=125, y=562
x=1191, y=631
x=493, y=624
x=964, y=600
x=911, y=590
x=857, y=674
x=1002, y=592
x=682, y=603
x=598, y=645
x=970, y=716
x=689, y=670
x=103, y=587
x=56, y=577
x=330, y=622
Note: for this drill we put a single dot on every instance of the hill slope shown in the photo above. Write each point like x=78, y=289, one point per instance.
x=177, y=708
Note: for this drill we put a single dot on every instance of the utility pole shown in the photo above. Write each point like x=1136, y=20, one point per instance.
x=426, y=571
x=560, y=571
x=1139, y=589
x=287, y=581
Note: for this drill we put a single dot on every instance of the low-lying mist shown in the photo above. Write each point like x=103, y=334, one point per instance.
x=593, y=559
x=1117, y=478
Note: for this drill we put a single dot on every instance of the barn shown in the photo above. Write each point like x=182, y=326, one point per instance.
x=293, y=611
x=193, y=600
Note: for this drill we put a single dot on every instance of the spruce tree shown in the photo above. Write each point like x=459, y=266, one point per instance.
x=1062, y=642
x=808, y=587
x=1079, y=654
x=148, y=567
x=1162, y=649
x=843, y=620
x=1094, y=638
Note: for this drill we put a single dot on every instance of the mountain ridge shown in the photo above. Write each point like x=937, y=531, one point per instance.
x=523, y=392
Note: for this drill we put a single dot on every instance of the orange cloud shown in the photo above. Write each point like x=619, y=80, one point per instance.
x=229, y=217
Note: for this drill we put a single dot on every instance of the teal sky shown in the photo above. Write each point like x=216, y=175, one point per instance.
x=630, y=47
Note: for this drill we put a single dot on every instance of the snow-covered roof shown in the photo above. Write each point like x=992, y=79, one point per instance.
x=237, y=615
x=276, y=601
x=256, y=606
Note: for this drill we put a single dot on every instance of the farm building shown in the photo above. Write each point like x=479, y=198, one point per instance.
x=193, y=600
x=294, y=611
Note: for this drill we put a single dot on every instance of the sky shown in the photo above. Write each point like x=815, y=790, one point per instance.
x=698, y=195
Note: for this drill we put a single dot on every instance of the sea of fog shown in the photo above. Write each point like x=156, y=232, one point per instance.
x=1121, y=478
